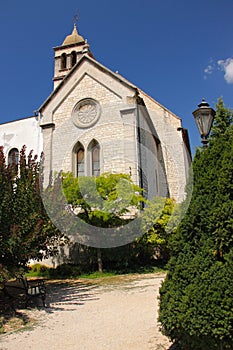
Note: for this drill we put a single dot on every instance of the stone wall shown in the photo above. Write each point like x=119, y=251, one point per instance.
x=175, y=153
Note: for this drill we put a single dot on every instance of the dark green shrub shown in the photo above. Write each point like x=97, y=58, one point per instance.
x=196, y=300
x=65, y=271
x=39, y=268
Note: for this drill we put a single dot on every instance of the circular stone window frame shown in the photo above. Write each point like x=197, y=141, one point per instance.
x=76, y=113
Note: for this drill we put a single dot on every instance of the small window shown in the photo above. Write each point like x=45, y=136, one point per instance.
x=96, y=161
x=144, y=183
x=80, y=162
x=73, y=58
x=13, y=157
x=63, y=61
x=94, y=154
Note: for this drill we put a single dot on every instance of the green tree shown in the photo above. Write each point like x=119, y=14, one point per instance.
x=6, y=195
x=106, y=201
x=160, y=219
x=196, y=304
x=26, y=231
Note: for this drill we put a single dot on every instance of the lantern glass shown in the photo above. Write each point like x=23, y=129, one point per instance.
x=204, y=117
x=204, y=122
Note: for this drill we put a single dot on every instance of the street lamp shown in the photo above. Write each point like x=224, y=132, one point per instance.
x=204, y=116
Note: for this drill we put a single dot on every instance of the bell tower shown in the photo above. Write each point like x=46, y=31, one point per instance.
x=67, y=55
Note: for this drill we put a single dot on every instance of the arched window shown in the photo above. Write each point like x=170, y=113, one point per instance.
x=94, y=155
x=13, y=157
x=86, y=163
x=73, y=58
x=63, y=61
x=79, y=160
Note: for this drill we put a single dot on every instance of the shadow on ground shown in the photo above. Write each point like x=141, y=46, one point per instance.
x=62, y=294
x=59, y=296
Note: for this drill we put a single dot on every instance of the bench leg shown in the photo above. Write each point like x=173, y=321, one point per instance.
x=43, y=299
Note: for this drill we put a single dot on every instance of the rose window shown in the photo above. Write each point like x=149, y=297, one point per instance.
x=86, y=113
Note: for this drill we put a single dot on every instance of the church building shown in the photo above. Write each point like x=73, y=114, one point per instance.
x=95, y=121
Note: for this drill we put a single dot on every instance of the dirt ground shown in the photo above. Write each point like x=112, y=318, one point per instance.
x=117, y=313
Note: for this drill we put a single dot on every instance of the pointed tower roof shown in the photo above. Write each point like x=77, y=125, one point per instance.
x=73, y=38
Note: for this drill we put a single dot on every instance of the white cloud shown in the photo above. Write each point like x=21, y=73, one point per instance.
x=227, y=67
x=209, y=69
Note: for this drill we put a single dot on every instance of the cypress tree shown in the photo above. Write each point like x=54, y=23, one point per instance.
x=196, y=299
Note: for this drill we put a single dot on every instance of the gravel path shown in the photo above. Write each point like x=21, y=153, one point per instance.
x=109, y=314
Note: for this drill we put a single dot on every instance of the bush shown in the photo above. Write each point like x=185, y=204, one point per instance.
x=38, y=270
x=196, y=302
x=61, y=271
x=65, y=271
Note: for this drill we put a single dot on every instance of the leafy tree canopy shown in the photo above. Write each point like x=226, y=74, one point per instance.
x=160, y=219
x=103, y=199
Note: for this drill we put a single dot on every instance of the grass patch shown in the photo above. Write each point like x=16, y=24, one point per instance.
x=73, y=271
x=141, y=270
x=93, y=275
x=145, y=269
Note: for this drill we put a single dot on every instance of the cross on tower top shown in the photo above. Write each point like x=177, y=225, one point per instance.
x=76, y=18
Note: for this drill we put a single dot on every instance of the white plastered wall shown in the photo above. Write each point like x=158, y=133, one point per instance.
x=22, y=132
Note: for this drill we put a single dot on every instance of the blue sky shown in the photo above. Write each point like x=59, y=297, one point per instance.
x=176, y=51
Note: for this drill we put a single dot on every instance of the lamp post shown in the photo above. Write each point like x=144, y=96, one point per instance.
x=204, y=116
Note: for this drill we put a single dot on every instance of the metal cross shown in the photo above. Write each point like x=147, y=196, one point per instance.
x=76, y=18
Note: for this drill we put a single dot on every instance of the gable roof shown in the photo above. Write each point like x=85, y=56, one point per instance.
x=117, y=76
x=86, y=57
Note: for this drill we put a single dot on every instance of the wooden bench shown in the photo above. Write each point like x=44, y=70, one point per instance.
x=30, y=290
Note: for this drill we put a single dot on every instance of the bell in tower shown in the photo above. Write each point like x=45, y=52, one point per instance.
x=68, y=54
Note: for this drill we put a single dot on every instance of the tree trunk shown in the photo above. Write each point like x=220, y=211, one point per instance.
x=99, y=259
